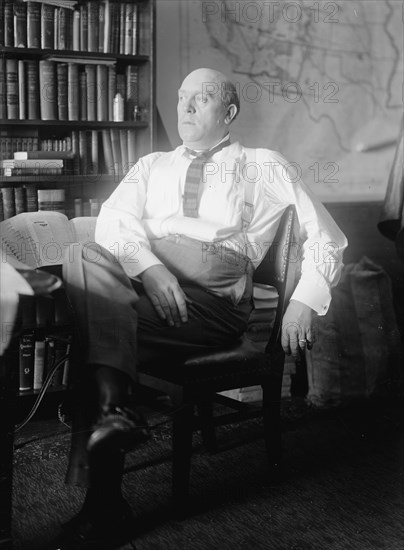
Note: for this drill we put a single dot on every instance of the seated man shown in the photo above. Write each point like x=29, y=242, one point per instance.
x=180, y=238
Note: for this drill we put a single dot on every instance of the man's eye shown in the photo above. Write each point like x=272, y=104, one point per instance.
x=202, y=98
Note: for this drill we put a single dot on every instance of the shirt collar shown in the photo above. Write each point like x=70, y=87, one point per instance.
x=185, y=150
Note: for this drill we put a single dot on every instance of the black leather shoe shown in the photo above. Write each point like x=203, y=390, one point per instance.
x=82, y=533
x=118, y=428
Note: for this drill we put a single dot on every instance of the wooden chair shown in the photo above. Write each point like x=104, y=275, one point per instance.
x=193, y=384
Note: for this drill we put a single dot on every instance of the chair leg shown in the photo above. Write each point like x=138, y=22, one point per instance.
x=182, y=449
x=205, y=413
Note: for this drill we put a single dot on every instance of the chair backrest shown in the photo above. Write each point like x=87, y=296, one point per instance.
x=279, y=267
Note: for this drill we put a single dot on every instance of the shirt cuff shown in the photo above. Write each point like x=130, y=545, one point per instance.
x=316, y=297
x=144, y=259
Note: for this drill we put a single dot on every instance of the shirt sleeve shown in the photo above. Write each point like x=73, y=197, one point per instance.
x=322, y=243
x=119, y=226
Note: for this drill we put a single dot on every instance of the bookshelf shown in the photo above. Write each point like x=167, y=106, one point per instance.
x=62, y=66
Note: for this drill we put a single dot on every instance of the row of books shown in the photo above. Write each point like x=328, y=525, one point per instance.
x=37, y=357
x=91, y=152
x=13, y=144
x=51, y=90
x=92, y=26
x=16, y=200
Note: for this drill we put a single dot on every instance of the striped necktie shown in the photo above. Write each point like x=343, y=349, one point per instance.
x=193, y=179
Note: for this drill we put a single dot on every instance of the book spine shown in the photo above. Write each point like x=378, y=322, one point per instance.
x=83, y=152
x=8, y=24
x=33, y=25
x=128, y=29
x=8, y=202
x=32, y=198
x=32, y=89
x=48, y=90
x=93, y=26
x=111, y=91
x=116, y=152
x=107, y=152
x=73, y=91
x=27, y=358
x=123, y=138
x=20, y=25
x=20, y=196
x=121, y=32
x=83, y=95
x=12, y=88
x=2, y=23
x=3, y=89
x=52, y=200
x=135, y=32
x=39, y=364
x=56, y=28
x=102, y=92
x=63, y=29
x=91, y=92
x=101, y=26
x=62, y=80
x=94, y=152
x=107, y=27
x=1, y=208
x=132, y=90
x=47, y=26
x=76, y=31
x=83, y=28
x=21, y=90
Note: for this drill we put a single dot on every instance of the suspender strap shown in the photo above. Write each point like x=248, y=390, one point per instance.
x=249, y=189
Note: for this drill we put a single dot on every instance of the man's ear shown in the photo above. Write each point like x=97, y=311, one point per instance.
x=231, y=113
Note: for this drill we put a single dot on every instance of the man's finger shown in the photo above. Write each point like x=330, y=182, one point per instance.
x=181, y=301
x=285, y=341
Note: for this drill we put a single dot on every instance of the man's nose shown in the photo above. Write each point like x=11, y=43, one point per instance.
x=189, y=106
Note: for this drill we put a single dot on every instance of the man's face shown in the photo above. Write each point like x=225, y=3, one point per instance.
x=201, y=115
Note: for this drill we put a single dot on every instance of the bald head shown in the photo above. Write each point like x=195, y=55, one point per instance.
x=207, y=104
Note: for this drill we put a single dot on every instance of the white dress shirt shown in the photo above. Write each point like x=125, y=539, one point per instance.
x=147, y=204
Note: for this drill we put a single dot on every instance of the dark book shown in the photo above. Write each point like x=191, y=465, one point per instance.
x=116, y=152
x=1, y=24
x=132, y=90
x=3, y=89
x=102, y=92
x=76, y=151
x=20, y=197
x=44, y=155
x=63, y=37
x=60, y=356
x=20, y=24
x=48, y=90
x=83, y=152
x=83, y=28
x=83, y=95
x=107, y=152
x=73, y=91
x=93, y=26
x=12, y=88
x=33, y=25
x=62, y=79
x=8, y=202
x=1, y=208
x=32, y=74
x=8, y=24
x=121, y=48
x=111, y=91
x=115, y=11
x=47, y=26
x=27, y=361
x=91, y=92
x=101, y=26
x=123, y=138
x=32, y=198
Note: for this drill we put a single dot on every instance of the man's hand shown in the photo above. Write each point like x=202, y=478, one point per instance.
x=296, y=328
x=165, y=294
